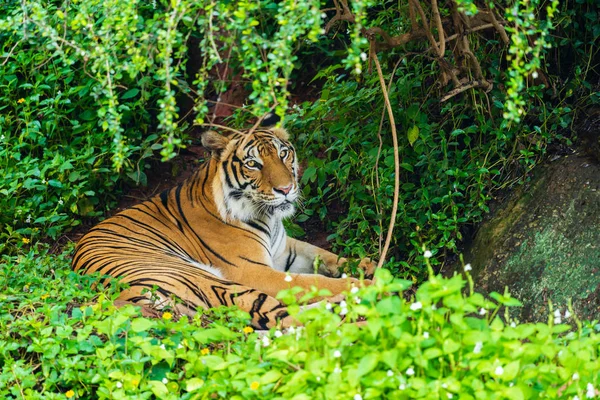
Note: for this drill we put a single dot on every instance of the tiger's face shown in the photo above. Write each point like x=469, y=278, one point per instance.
x=258, y=174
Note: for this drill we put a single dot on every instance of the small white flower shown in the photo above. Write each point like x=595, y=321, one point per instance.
x=575, y=397
x=402, y=386
x=338, y=332
x=478, y=347
x=180, y=346
x=499, y=370
x=363, y=56
x=291, y=329
x=482, y=311
x=354, y=290
x=468, y=267
x=575, y=376
x=337, y=354
x=416, y=306
x=513, y=324
x=278, y=334
x=323, y=15
x=427, y=254
x=534, y=75
x=165, y=380
x=426, y=335
x=590, y=391
x=357, y=300
x=343, y=304
x=288, y=278
x=162, y=346
x=337, y=370
x=343, y=311
x=557, y=313
x=410, y=371
x=557, y=321
x=266, y=341
x=358, y=397
x=449, y=395
x=433, y=307
x=318, y=379
x=567, y=314
x=445, y=385
x=390, y=372
x=328, y=306
x=61, y=202
x=344, y=276
x=2, y=137
x=119, y=385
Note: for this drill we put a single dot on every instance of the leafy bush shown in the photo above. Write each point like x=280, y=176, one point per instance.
x=455, y=154
x=61, y=338
x=90, y=90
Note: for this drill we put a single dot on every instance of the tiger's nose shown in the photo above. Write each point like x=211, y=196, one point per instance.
x=284, y=190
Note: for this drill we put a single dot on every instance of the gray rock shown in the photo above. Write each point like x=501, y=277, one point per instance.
x=544, y=243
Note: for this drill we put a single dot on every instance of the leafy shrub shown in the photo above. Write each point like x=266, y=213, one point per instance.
x=454, y=155
x=61, y=338
x=90, y=92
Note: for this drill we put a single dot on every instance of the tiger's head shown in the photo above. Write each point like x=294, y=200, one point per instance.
x=257, y=174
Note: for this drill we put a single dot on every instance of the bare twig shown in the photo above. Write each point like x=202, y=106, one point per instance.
x=342, y=13
x=211, y=38
x=470, y=85
x=419, y=9
x=211, y=125
x=377, y=184
x=499, y=28
x=388, y=105
x=440, y=28
x=259, y=120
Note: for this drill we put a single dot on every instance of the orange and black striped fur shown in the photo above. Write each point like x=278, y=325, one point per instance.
x=218, y=238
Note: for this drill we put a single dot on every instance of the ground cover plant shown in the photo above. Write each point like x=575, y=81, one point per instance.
x=61, y=339
x=92, y=93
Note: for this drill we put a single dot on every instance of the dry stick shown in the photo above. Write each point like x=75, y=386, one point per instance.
x=499, y=28
x=260, y=119
x=438, y=21
x=388, y=105
x=434, y=44
x=463, y=88
x=222, y=127
x=413, y=18
x=377, y=183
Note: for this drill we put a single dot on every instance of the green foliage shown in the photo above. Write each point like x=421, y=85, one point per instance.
x=454, y=155
x=90, y=91
x=59, y=338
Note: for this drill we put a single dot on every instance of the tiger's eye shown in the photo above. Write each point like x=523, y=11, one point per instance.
x=253, y=164
x=284, y=153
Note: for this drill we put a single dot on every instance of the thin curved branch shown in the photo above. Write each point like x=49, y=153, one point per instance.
x=388, y=105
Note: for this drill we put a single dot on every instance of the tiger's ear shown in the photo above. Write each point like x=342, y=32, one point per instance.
x=281, y=133
x=214, y=142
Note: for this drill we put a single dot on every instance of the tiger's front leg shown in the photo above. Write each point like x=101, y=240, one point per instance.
x=299, y=257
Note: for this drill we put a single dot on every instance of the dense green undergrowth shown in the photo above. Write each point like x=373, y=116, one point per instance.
x=61, y=337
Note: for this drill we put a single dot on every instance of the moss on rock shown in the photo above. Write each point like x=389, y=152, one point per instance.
x=544, y=244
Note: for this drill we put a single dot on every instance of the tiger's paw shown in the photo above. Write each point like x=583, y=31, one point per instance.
x=368, y=266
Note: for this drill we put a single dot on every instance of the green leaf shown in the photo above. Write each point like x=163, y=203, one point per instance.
x=367, y=364
x=142, y=324
x=130, y=93
x=193, y=384
x=270, y=377
x=158, y=388
x=413, y=134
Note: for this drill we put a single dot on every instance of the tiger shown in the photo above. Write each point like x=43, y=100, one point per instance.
x=218, y=238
